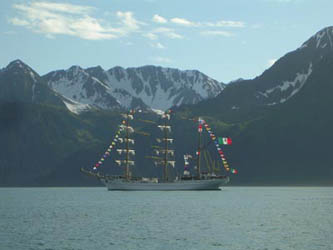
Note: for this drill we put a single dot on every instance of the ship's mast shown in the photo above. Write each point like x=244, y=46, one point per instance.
x=127, y=140
x=165, y=168
x=127, y=148
x=199, y=148
x=163, y=151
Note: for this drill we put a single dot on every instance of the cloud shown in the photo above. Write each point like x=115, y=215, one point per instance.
x=170, y=33
x=221, y=23
x=158, y=45
x=216, y=33
x=159, y=19
x=19, y=22
x=183, y=21
x=162, y=31
x=271, y=62
x=151, y=36
x=282, y=1
x=162, y=59
x=54, y=19
x=128, y=20
x=232, y=24
x=62, y=7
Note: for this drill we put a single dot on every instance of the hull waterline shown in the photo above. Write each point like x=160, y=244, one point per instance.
x=213, y=184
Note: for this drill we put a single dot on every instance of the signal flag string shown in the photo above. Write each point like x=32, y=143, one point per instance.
x=107, y=153
x=218, y=141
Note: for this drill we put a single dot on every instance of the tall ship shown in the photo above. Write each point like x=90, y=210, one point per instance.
x=198, y=177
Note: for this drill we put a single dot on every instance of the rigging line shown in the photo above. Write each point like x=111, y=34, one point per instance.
x=206, y=159
x=147, y=121
x=141, y=133
x=212, y=162
x=203, y=148
x=154, y=157
x=218, y=167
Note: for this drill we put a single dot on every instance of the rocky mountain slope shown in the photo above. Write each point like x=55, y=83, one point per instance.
x=148, y=86
x=276, y=85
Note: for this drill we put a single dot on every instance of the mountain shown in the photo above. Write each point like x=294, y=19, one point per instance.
x=280, y=121
x=46, y=139
x=142, y=87
x=39, y=134
x=276, y=85
x=18, y=82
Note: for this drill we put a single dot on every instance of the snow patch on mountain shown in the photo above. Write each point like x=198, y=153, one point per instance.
x=319, y=36
x=33, y=76
x=19, y=66
x=323, y=39
x=155, y=87
x=33, y=92
x=295, y=85
x=123, y=98
x=78, y=85
x=76, y=107
x=161, y=99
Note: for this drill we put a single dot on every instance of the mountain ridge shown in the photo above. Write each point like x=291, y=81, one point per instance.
x=276, y=85
x=147, y=86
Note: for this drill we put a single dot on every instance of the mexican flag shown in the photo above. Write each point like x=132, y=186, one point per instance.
x=234, y=171
x=225, y=140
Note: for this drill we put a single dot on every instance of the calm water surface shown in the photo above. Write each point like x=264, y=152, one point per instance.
x=235, y=218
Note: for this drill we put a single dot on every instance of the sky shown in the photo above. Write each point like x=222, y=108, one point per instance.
x=224, y=39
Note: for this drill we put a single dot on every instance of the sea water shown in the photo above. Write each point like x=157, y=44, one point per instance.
x=234, y=218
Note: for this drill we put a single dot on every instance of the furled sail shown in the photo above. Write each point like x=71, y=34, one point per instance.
x=131, y=152
x=131, y=163
x=128, y=129
x=167, y=116
x=172, y=163
x=128, y=116
x=163, y=151
x=169, y=140
x=165, y=127
x=126, y=151
x=124, y=140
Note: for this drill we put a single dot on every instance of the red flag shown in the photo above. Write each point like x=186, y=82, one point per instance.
x=200, y=128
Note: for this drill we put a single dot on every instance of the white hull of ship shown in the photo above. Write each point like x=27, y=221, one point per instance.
x=207, y=184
